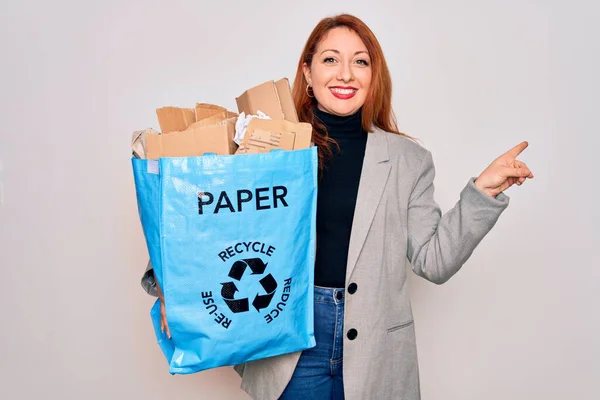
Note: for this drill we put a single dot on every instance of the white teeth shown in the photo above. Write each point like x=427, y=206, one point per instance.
x=343, y=91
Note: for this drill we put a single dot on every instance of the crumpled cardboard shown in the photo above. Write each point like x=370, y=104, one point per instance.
x=212, y=113
x=264, y=135
x=213, y=119
x=174, y=119
x=206, y=110
x=242, y=125
x=210, y=128
x=272, y=98
x=138, y=142
x=194, y=141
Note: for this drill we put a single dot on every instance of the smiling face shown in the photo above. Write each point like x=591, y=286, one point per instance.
x=340, y=72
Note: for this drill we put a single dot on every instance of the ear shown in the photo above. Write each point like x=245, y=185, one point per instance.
x=307, y=75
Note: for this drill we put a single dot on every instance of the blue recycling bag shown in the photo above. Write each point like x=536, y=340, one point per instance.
x=232, y=243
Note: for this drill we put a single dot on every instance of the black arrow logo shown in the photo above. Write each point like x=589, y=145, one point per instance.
x=262, y=301
x=256, y=265
x=237, y=270
x=268, y=283
x=228, y=292
x=237, y=306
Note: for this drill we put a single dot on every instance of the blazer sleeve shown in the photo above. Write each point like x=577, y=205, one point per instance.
x=439, y=245
x=148, y=282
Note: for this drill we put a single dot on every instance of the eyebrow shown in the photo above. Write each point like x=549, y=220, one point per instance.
x=338, y=52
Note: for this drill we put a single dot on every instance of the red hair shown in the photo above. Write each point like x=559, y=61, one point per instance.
x=377, y=109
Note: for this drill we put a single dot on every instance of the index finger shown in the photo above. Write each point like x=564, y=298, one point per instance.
x=515, y=151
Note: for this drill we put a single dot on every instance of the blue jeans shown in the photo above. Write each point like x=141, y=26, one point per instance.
x=318, y=375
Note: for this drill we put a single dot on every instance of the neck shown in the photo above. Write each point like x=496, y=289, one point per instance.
x=341, y=127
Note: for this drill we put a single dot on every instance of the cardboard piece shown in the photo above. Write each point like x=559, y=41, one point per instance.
x=264, y=135
x=286, y=100
x=174, y=119
x=209, y=128
x=272, y=98
x=205, y=110
x=264, y=141
x=138, y=142
x=194, y=141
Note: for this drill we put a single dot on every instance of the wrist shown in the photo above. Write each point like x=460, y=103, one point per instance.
x=482, y=189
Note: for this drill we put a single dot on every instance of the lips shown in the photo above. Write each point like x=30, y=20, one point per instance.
x=343, y=92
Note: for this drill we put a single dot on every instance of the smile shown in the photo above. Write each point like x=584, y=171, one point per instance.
x=343, y=93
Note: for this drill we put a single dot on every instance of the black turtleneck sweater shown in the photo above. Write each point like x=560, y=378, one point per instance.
x=336, y=199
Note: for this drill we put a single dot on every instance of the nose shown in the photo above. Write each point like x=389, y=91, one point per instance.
x=345, y=73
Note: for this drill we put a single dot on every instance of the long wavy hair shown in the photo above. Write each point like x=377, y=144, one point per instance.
x=377, y=109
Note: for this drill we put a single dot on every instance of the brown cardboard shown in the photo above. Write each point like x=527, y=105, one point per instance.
x=205, y=110
x=173, y=119
x=214, y=119
x=301, y=130
x=272, y=98
x=264, y=141
x=193, y=142
x=264, y=135
x=211, y=128
x=286, y=99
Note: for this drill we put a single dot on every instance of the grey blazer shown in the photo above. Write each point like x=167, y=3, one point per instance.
x=397, y=222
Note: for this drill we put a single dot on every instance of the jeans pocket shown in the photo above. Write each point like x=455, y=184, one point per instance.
x=404, y=325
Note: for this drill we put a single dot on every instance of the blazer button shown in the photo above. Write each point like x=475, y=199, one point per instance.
x=352, y=334
x=352, y=288
x=339, y=295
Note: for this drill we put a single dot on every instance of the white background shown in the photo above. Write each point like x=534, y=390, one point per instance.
x=471, y=79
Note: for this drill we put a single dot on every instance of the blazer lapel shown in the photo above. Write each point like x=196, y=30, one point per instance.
x=373, y=178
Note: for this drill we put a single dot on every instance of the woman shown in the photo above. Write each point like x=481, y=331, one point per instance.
x=375, y=212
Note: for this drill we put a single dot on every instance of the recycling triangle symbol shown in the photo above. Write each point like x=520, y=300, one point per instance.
x=236, y=272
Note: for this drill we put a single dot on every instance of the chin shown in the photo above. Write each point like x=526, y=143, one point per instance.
x=342, y=111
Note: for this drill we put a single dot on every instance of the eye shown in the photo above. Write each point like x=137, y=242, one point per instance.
x=363, y=62
x=329, y=60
